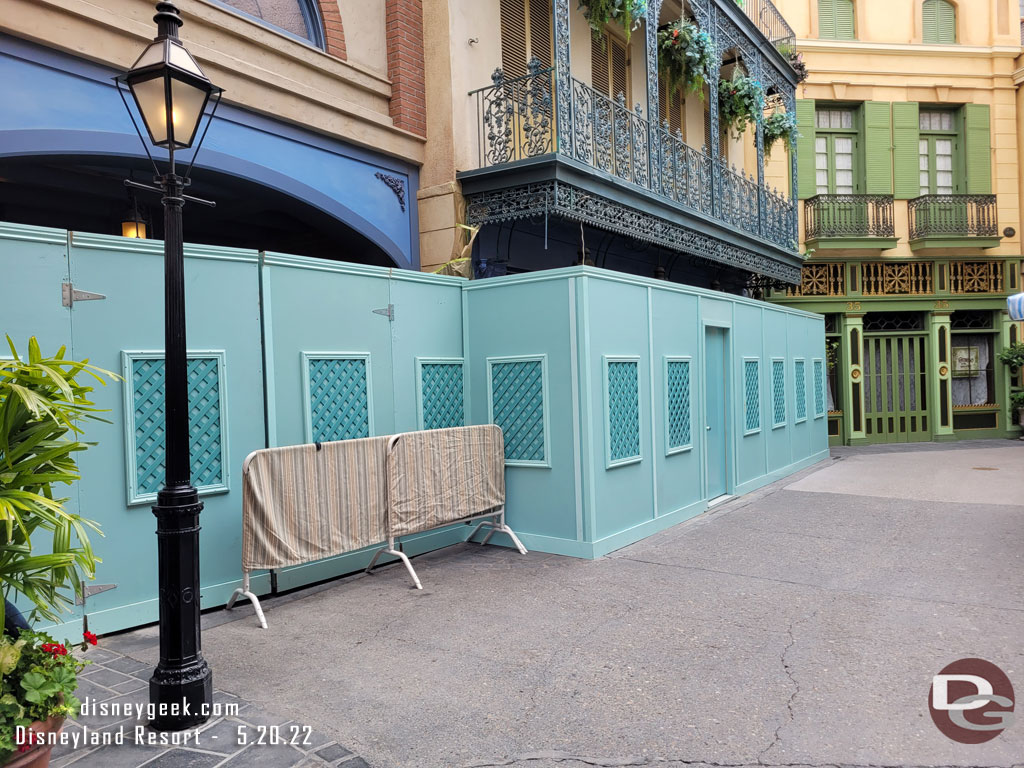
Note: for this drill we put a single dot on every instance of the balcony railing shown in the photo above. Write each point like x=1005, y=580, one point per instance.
x=767, y=18
x=849, y=216
x=953, y=216
x=518, y=121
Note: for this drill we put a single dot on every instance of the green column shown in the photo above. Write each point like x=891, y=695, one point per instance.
x=940, y=396
x=1004, y=381
x=852, y=366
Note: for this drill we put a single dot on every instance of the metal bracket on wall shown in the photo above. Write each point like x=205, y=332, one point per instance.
x=388, y=312
x=90, y=590
x=69, y=295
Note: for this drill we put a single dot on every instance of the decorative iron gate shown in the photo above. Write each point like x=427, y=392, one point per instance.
x=896, y=388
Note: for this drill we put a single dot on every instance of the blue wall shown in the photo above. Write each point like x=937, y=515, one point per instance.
x=57, y=104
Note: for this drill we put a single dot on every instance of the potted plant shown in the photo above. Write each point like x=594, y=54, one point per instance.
x=44, y=550
x=779, y=125
x=1017, y=404
x=740, y=102
x=1013, y=356
x=37, y=694
x=685, y=56
x=600, y=12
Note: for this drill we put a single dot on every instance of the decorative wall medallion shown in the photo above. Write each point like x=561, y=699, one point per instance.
x=943, y=370
x=855, y=374
x=396, y=184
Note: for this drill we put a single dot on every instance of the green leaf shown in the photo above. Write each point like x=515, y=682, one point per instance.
x=37, y=688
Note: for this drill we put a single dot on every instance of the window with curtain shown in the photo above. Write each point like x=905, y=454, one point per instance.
x=525, y=34
x=937, y=147
x=938, y=22
x=300, y=18
x=835, y=19
x=835, y=138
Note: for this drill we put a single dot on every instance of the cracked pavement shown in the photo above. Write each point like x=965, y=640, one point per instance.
x=797, y=626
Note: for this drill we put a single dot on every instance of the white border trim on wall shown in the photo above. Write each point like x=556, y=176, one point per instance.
x=420, y=362
x=307, y=405
x=771, y=400
x=824, y=384
x=760, y=409
x=797, y=418
x=609, y=462
x=128, y=400
x=671, y=450
x=545, y=401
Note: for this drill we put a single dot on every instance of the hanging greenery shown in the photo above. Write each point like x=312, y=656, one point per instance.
x=626, y=12
x=780, y=125
x=740, y=102
x=685, y=56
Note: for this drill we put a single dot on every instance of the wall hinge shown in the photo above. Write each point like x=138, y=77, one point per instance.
x=92, y=589
x=69, y=295
x=388, y=312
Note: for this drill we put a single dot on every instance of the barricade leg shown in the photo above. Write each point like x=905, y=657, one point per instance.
x=390, y=550
x=244, y=591
x=497, y=525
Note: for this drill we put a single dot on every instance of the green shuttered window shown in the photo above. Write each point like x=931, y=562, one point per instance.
x=938, y=22
x=805, y=148
x=835, y=19
x=978, y=155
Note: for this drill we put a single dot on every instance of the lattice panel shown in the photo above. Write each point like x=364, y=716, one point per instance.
x=204, y=416
x=678, y=394
x=801, y=389
x=623, y=410
x=779, y=391
x=752, y=394
x=339, y=398
x=819, y=388
x=441, y=389
x=517, y=402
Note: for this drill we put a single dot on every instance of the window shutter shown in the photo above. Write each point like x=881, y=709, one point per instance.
x=978, y=142
x=905, y=158
x=599, y=64
x=938, y=22
x=707, y=126
x=826, y=18
x=670, y=108
x=620, y=82
x=514, y=44
x=835, y=19
x=540, y=30
x=805, y=148
x=877, y=148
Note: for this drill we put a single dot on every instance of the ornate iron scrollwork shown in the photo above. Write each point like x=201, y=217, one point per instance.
x=396, y=184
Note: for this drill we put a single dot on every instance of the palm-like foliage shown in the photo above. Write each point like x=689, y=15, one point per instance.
x=42, y=403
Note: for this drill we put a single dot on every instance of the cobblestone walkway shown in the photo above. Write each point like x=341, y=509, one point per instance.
x=238, y=734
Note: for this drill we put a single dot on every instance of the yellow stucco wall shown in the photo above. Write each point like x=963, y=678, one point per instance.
x=887, y=62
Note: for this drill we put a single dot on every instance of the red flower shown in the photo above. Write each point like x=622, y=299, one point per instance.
x=24, y=747
x=90, y=638
x=675, y=33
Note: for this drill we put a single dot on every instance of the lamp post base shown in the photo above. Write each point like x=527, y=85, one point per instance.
x=181, y=696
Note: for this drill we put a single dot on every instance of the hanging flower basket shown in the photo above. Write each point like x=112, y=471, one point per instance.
x=740, y=102
x=600, y=12
x=685, y=56
x=780, y=125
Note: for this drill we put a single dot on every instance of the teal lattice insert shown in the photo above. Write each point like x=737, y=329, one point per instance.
x=819, y=388
x=441, y=394
x=207, y=442
x=517, y=406
x=801, y=389
x=778, y=392
x=339, y=398
x=752, y=395
x=623, y=383
x=677, y=394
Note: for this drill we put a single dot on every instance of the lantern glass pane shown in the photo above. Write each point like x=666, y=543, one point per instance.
x=154, y=54
x=187, y=102
x=181, y=58
x=149, y=97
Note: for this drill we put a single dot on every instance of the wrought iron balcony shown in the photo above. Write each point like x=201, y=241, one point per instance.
x=953, y=218
x=519, y=124
x=850, y=217
x=770, y=22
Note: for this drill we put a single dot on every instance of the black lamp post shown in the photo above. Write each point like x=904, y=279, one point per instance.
x=171, y=93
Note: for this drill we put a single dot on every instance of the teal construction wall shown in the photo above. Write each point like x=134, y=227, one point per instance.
x=289, y=349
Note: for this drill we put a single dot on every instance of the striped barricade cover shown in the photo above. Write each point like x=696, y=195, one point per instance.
x=307, y=502
x=442, y=476
x=1016, y=306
